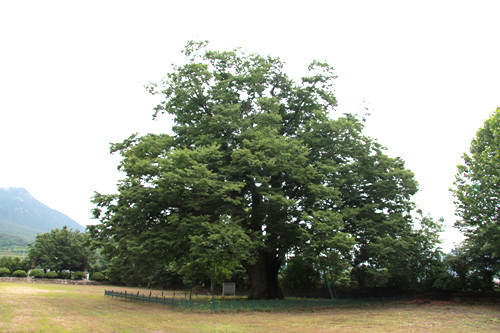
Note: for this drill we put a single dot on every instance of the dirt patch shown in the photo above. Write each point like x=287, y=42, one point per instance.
x=423, y=301
x=21, y=290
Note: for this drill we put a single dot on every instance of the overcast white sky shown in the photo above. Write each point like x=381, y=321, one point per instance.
x=72, y=76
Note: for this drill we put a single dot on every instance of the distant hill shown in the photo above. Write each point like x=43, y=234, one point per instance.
x=23, y=216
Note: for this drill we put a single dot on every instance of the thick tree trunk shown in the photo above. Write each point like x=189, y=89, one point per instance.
x=263, y=276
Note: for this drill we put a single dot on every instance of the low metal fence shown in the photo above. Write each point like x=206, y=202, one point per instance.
x=221, y=305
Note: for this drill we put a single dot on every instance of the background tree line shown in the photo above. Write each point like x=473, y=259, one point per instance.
x=62, y=252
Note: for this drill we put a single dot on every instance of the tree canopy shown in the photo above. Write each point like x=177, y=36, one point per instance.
x=257, y=169
x=477, y=194
x=61, y=249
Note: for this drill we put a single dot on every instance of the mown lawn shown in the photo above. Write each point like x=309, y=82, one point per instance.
x=65, y=308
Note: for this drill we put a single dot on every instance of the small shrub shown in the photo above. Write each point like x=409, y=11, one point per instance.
x=51, y=275
x=37, y=273
x=65, y=275
x=4, y=272
x=78, y=275
x=98, y=276
x=20, y=273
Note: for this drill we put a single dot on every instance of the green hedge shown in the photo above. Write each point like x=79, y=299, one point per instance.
x=20, y=273
x=98, y=276
x=51, y=275
x=37, y=273
x=4, y=271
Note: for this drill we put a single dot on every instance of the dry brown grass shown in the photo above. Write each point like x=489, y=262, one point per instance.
x=65, y=308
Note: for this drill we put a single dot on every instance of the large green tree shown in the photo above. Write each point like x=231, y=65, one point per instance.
x=256, y=169
x=477, y=194
x=61, y=249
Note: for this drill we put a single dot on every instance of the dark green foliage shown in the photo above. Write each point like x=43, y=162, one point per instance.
x=4, y=271
x=98, y=276
x=61, y=249
x=65, y=275
x=169, y=277
x=20, y=274
x=11, y=240
x=97, y=262
x=51, y=275
x=400, y=256
x=477, y=193
x=78, y=275
x=15, y=263
x=122, y=272
x=257, y=169
x=466, y=271
x=155, y=275
x=36, y=273
x=300, y=274
x=200, y=272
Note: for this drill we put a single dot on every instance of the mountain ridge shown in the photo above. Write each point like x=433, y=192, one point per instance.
x=24, y=216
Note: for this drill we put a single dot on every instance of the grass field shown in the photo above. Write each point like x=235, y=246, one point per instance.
x=65, y=308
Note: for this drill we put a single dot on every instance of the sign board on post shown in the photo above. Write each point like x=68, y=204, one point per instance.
x=228, y=288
